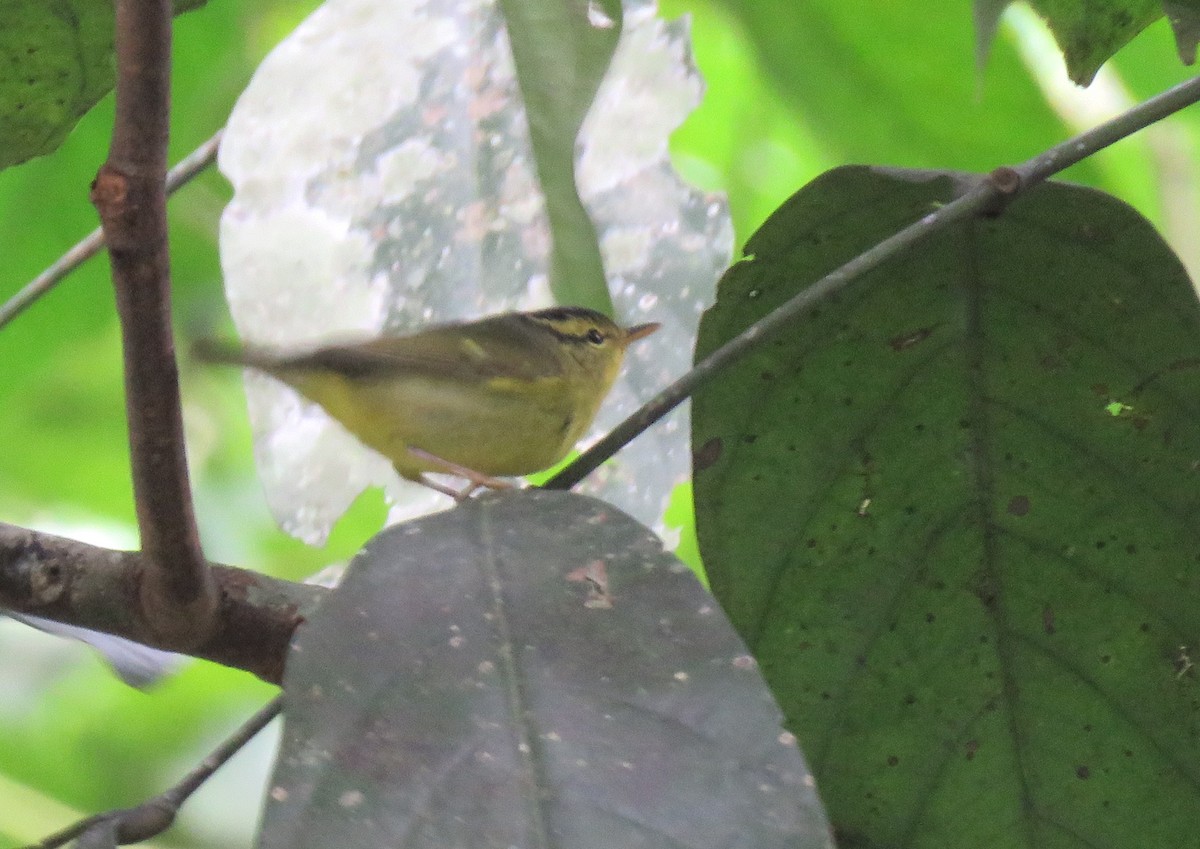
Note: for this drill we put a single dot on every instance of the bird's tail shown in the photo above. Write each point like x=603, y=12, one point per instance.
x=220, y=352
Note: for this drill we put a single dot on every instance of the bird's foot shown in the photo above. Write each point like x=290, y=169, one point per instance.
x=475, y=480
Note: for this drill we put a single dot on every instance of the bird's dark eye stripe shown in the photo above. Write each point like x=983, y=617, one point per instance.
x=592, y=337
x=555, y=318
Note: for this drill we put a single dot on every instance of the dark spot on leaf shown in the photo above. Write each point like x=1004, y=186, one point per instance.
x=812, y=543
x=825, y=697
x=1131, y=549
x=1100, y=389
x=1144, y=628
x=919, y=427
x=910, y=699
x=909, y=510
x=892, y=760
x=708, y=454
x=1018, y=505
x=972, y=748
x=985, y=590
x=749, y=438
x=766, y=375
x=1106, y=658
x=1082, y=772
x=1099, y=544
x=850, y=839
x=1128, y=753
x=929, y=617
x=1048, y=619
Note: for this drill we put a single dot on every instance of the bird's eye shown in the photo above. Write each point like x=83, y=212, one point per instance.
x=595, y=337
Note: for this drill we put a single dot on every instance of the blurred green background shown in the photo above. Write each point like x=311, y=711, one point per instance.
x=793, y=89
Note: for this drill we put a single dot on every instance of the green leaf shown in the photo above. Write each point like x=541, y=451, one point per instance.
x=560, y=57
x=58, y=60
x=530, y=669
x=1088, y=32
x=1184, y=16
x=972, y=587
x=986, y=15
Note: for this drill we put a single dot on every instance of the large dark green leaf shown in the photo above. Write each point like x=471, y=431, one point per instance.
x=956, y=515
x=530, y=669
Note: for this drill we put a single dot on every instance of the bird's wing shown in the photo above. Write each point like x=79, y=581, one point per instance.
x=488, y=351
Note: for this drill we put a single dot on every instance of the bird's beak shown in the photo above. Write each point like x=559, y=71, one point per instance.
x=640, y=331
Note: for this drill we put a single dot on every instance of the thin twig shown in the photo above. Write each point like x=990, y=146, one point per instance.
x=177, y=591
x=154, y=816
x=988, y=194
x=183, y=173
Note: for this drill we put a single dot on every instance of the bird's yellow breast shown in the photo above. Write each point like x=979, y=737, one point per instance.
x=501, y=427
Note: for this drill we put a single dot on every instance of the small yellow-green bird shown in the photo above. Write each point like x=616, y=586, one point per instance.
x=509, y=394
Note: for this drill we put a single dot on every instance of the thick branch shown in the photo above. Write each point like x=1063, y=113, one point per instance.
x=177, y=590
x=80, y=584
